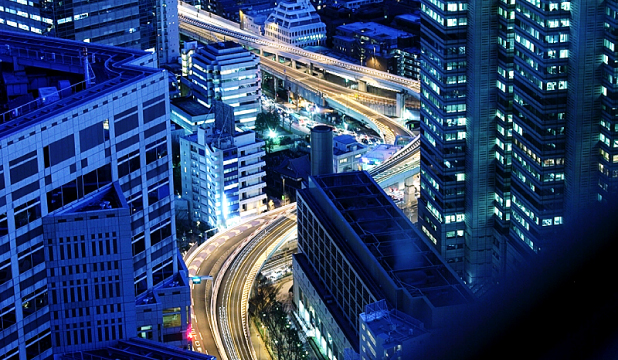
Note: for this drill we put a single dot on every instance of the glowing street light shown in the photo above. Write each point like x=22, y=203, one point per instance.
x=272, y=134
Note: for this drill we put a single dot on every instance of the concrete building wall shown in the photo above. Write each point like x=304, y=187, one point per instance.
x=90, y=282
x=316, y=317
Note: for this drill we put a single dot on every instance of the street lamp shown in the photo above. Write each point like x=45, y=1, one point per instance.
x=272, y=134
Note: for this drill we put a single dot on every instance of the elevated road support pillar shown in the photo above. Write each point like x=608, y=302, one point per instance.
x=411, y=189
x=362, y=86
x=400, y=105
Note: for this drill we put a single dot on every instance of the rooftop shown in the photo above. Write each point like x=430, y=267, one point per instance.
x=345, y=139
x=110, y=68
x=393, y=326
x=374, y=30
x=410, y=261
x=106, y=198
x=137, y=348
x=382, y=151
x=223, y=45
x=297, y=169
x=190, y=106
x=409, y=17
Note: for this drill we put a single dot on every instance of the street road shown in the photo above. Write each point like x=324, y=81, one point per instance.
x=235, y=290
x=345, y=96
x=207, y=260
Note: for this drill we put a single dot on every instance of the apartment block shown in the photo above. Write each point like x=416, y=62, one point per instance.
x=222, y=174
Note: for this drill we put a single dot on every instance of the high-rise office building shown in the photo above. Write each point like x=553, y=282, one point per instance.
x=355, y=247
x=87, y=248
x=518, y=125
x=227, y=72
x=140, y=24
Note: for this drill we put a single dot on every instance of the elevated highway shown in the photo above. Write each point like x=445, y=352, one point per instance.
x=188, y=14
x=403, y=164
x=341, y=98
x=399, y=167
x=220, y=321
x=237, y=282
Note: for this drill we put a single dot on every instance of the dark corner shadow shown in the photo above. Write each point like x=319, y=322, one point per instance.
x=565, y=306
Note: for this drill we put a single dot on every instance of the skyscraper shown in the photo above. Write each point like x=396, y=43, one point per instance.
x=295, y=22
x=87, y=248
x=518, y=125
x=140, y=24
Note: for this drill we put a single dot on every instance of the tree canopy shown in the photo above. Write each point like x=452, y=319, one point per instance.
x=267, y=120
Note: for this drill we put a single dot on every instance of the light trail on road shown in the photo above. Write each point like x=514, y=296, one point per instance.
x=389, y=129
x=207, y=259
x=189, y=14
x=236, y=287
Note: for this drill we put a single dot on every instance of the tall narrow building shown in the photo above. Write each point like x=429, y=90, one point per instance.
x=518, y=131
x=223, y=172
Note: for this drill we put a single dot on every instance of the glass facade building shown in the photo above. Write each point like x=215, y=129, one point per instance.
x=517, y=125
x=140, y=24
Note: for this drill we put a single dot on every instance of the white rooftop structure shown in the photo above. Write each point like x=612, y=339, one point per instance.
x=297, y=23
x=378, y=155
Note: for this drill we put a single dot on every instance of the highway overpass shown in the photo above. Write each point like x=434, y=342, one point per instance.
x=191, y=15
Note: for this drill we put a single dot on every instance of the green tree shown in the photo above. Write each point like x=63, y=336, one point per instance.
x=283, y=338
x=265, y=295
x=266, y=120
